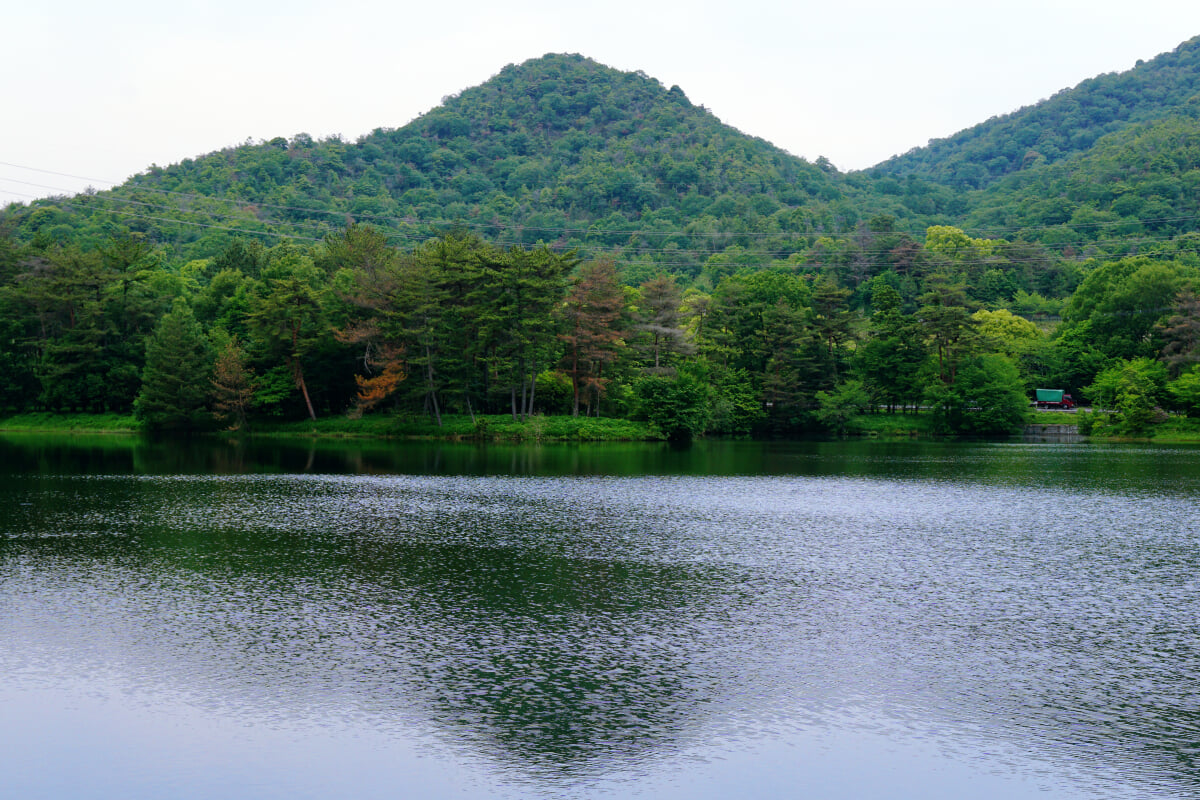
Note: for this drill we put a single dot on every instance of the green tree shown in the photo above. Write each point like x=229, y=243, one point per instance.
x=1181, y=333
x=1132, y=390
x=947, y=324
x=659, y=323
x=1122, y=301
x=987, y=399
x=515, y=302
x=175, y=384
x=593, y=331
x=232, y=385
x=831, y=319
x=836, y=408
x=287, y=318
x=678, y=406
x=1185, y=392
x=890, y=361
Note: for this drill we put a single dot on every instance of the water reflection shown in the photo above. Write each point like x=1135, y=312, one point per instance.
x=572, y=625
x=547, y=660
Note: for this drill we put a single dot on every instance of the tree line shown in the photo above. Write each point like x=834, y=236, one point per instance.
x=457, y=325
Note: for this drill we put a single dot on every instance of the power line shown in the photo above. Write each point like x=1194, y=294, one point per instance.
x=625, y=250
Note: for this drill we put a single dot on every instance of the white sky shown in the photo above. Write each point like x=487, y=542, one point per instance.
x=103, y=90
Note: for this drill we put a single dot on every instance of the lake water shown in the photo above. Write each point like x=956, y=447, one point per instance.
x=825, y=620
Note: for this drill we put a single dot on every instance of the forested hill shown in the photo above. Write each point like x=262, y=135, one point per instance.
x=1070, y=122
x=559, y=149
x=1132, y=191
x=691, y=274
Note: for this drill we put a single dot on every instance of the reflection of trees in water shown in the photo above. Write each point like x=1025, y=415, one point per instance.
x=558, y=663
x=544, y=662
x=328, y=598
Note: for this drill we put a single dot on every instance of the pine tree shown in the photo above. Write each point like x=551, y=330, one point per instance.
x=592, y=312
x=659, y=322
x=232, y=386
x=175, y=381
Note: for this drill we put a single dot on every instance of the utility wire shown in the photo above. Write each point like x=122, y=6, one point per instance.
x=589, y=231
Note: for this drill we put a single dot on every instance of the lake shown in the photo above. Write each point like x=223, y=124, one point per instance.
x=278, y=619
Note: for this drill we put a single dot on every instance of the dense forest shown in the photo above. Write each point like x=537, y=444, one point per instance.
x=571, y=239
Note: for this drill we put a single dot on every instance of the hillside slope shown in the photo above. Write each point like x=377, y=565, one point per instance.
x=559, y=149
x=1047, y=132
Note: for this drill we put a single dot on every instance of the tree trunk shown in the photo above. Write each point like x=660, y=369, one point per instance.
x=298, y=374
x=532, y=387
x=575, y=378
x=437, y=414
x=524, y=387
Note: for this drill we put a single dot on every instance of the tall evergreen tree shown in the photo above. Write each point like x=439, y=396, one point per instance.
x=659, y=322
x=593, y=331
x=176, y=378
x=232, y=385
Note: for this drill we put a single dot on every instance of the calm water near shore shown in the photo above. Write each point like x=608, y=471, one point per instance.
x=829, y=620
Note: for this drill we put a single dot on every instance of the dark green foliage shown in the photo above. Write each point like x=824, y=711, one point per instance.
x=987, y=398
x=176, y=380
x=559, y=149
x=890, y=361
x=679, y=406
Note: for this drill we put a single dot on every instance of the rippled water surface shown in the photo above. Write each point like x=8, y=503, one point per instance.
x=830, y=620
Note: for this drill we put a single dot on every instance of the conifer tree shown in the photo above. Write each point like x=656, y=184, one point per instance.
x=232, y=385
x=175, y=381
x=593, y=334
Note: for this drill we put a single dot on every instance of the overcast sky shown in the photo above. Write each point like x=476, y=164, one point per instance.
x=103, y=90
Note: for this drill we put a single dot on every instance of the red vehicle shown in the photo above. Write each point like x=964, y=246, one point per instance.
x=1054, y=398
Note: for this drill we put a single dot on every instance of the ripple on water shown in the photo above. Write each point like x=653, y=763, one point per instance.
x=564, y=629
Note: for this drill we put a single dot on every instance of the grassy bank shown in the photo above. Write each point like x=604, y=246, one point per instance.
x=1054, y=418
x=1174, y=430
x=488, y=428
x=891, y=426
x=497, y=428
x=502, y=428
x=46, y=422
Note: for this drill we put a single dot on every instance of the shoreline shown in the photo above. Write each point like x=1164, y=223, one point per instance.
x=503, y=429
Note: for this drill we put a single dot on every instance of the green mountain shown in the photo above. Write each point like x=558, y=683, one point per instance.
x=1133, y=191
x=559, y=149
x=1068, y=123
x=563, y=150
x=772, y=279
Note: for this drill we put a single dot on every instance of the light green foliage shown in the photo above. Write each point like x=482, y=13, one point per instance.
x=953, y=244
x=1004, y=332
x=1185, y=392
x=1132, y=390
x=838, y=407
x=1030, y=304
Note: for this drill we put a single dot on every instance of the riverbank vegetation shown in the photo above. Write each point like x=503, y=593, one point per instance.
x=572, y=252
